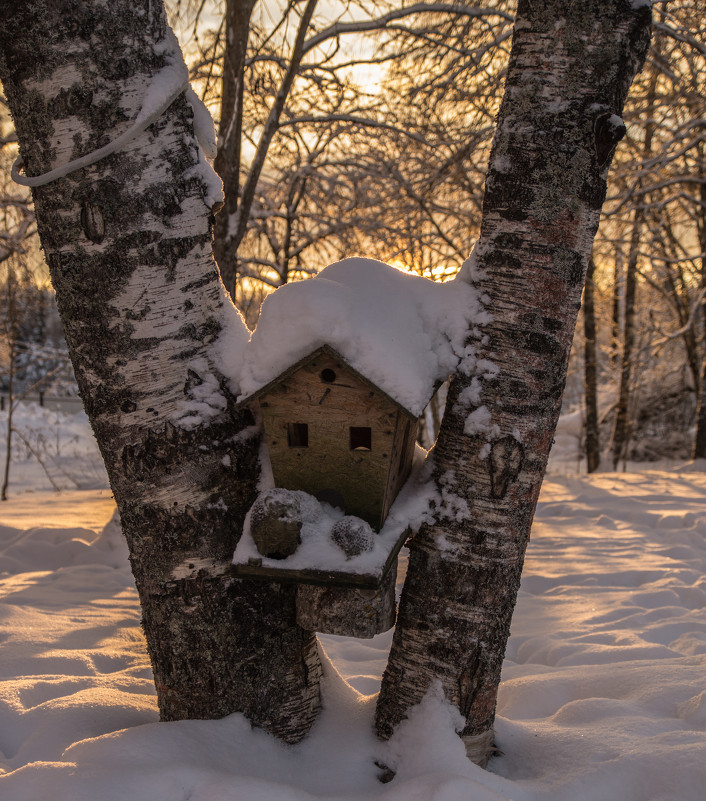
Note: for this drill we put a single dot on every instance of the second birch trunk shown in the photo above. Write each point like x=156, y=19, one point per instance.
x=570, y=70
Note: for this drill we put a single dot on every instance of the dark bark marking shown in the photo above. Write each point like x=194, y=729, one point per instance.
x=540, y=343
x=92, y=222
x=592, y=441
x=607, y=133
x=552, y=324
x=207, y=332
x=69, y=101
x=138, y=315
x=193, y=379
x=201, y=282
x=468, y=684
x=498, y=259
x=506, y=457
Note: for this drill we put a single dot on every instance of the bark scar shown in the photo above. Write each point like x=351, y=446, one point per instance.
x=506, y=458
x=468, y=685
x=92, y=222
x=608, y=130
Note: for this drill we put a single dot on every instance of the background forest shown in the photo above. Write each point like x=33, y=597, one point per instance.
x=364, y=127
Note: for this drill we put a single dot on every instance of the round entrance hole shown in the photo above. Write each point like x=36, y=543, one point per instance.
x=328, y=376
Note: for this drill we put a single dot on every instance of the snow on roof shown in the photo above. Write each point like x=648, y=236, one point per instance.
x=402, y=332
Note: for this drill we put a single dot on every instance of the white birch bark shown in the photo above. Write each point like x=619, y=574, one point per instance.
x=128, y=242
x=569, y=73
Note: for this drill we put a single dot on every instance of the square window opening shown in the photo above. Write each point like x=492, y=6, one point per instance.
x=298, y=435
x=361, y=438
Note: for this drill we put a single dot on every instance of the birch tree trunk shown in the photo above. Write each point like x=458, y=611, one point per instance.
x=128, y=242
x=621, y=425
x=590, y=372
x=230, y=134
x=569, y=73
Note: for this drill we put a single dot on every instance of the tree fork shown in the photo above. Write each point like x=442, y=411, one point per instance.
x=570, y=69
x=128, y=241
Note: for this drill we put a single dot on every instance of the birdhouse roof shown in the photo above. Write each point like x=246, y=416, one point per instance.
x=326, y=350
x=402, y=333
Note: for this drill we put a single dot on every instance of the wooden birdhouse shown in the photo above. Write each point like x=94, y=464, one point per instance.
x=334, y=434
x=340, y=424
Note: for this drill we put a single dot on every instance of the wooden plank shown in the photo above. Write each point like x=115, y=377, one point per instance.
x=322, y=578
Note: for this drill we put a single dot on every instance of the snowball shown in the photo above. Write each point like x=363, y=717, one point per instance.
x=353, y=535
x=275, y=523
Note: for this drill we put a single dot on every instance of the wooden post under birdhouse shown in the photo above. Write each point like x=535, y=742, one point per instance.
x=348, y=611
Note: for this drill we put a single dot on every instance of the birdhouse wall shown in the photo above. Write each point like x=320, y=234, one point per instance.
x=331, y=434
x=402, y=457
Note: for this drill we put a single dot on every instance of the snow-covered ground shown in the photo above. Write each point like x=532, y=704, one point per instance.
x=603, y=694
x=51, y=449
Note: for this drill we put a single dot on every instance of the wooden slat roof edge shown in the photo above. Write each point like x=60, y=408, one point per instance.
x=329, y=351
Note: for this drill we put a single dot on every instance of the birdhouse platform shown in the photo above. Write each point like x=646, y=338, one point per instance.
x=247, y=565
x=345, y=572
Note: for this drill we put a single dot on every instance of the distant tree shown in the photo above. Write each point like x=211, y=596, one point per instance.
x=621, y=429
x=590, y=367
x=10, y=318
x=20, y=313
x=21, y=303
x=699, y=449
x=650, y=234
